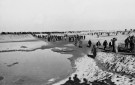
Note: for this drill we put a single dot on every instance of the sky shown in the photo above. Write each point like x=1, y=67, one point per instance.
x=66, y=15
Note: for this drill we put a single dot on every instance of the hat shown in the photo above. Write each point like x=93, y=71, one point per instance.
x=114, y=38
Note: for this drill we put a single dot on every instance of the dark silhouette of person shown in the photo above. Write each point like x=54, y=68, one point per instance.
x=84, y=37
x=105, y=44
x=127, y=40
x=114, y=45
x=110, y=45
x=94, y=51
x=69, y=39
x=98, y=44
x=89, y=43
x=76, y=80
x=131, y=43
x=85, y=82
x=69, y=82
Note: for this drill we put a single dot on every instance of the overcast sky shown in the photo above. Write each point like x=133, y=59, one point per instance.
x=59, y=15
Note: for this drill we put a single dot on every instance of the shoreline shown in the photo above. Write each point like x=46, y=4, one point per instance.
x=48, y=46
x=77, y=54
x=92, y=71
x=19, y=41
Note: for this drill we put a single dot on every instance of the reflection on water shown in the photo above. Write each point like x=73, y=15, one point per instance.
x=35, y=67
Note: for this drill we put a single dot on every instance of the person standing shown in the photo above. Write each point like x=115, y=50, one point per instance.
x=76, y=80
x=84, y=37
x=127, y=43
x=85, y=82
x=115, y=45
x=98, y=44
x=69, y=82
x=110, y=45
x=94, y=51
x=131, y=43
x=89, y=43
x=105, y=44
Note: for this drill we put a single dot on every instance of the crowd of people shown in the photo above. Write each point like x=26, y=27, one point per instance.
x=114, y=46
x=129, y=43
x=77, y=81
x=111, y=46
x=71, y=38
x=50, y=38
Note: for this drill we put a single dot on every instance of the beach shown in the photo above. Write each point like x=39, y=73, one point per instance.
x=77, y=60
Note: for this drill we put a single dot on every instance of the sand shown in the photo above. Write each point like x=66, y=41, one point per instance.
x=92, y=69
x=83, y=65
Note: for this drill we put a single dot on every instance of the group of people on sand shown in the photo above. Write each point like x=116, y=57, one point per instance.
x=113, y=45
x=76, y=81
x=54, y=38
x=50, y=38
x=129, y=43
x=77, y=40
x=74, y=38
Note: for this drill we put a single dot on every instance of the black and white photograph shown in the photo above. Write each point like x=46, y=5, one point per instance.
x=67, y=42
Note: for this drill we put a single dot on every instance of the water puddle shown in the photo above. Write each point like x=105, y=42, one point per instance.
x=34, y=68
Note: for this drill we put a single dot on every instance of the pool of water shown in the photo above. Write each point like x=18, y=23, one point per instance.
x=33, y=68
